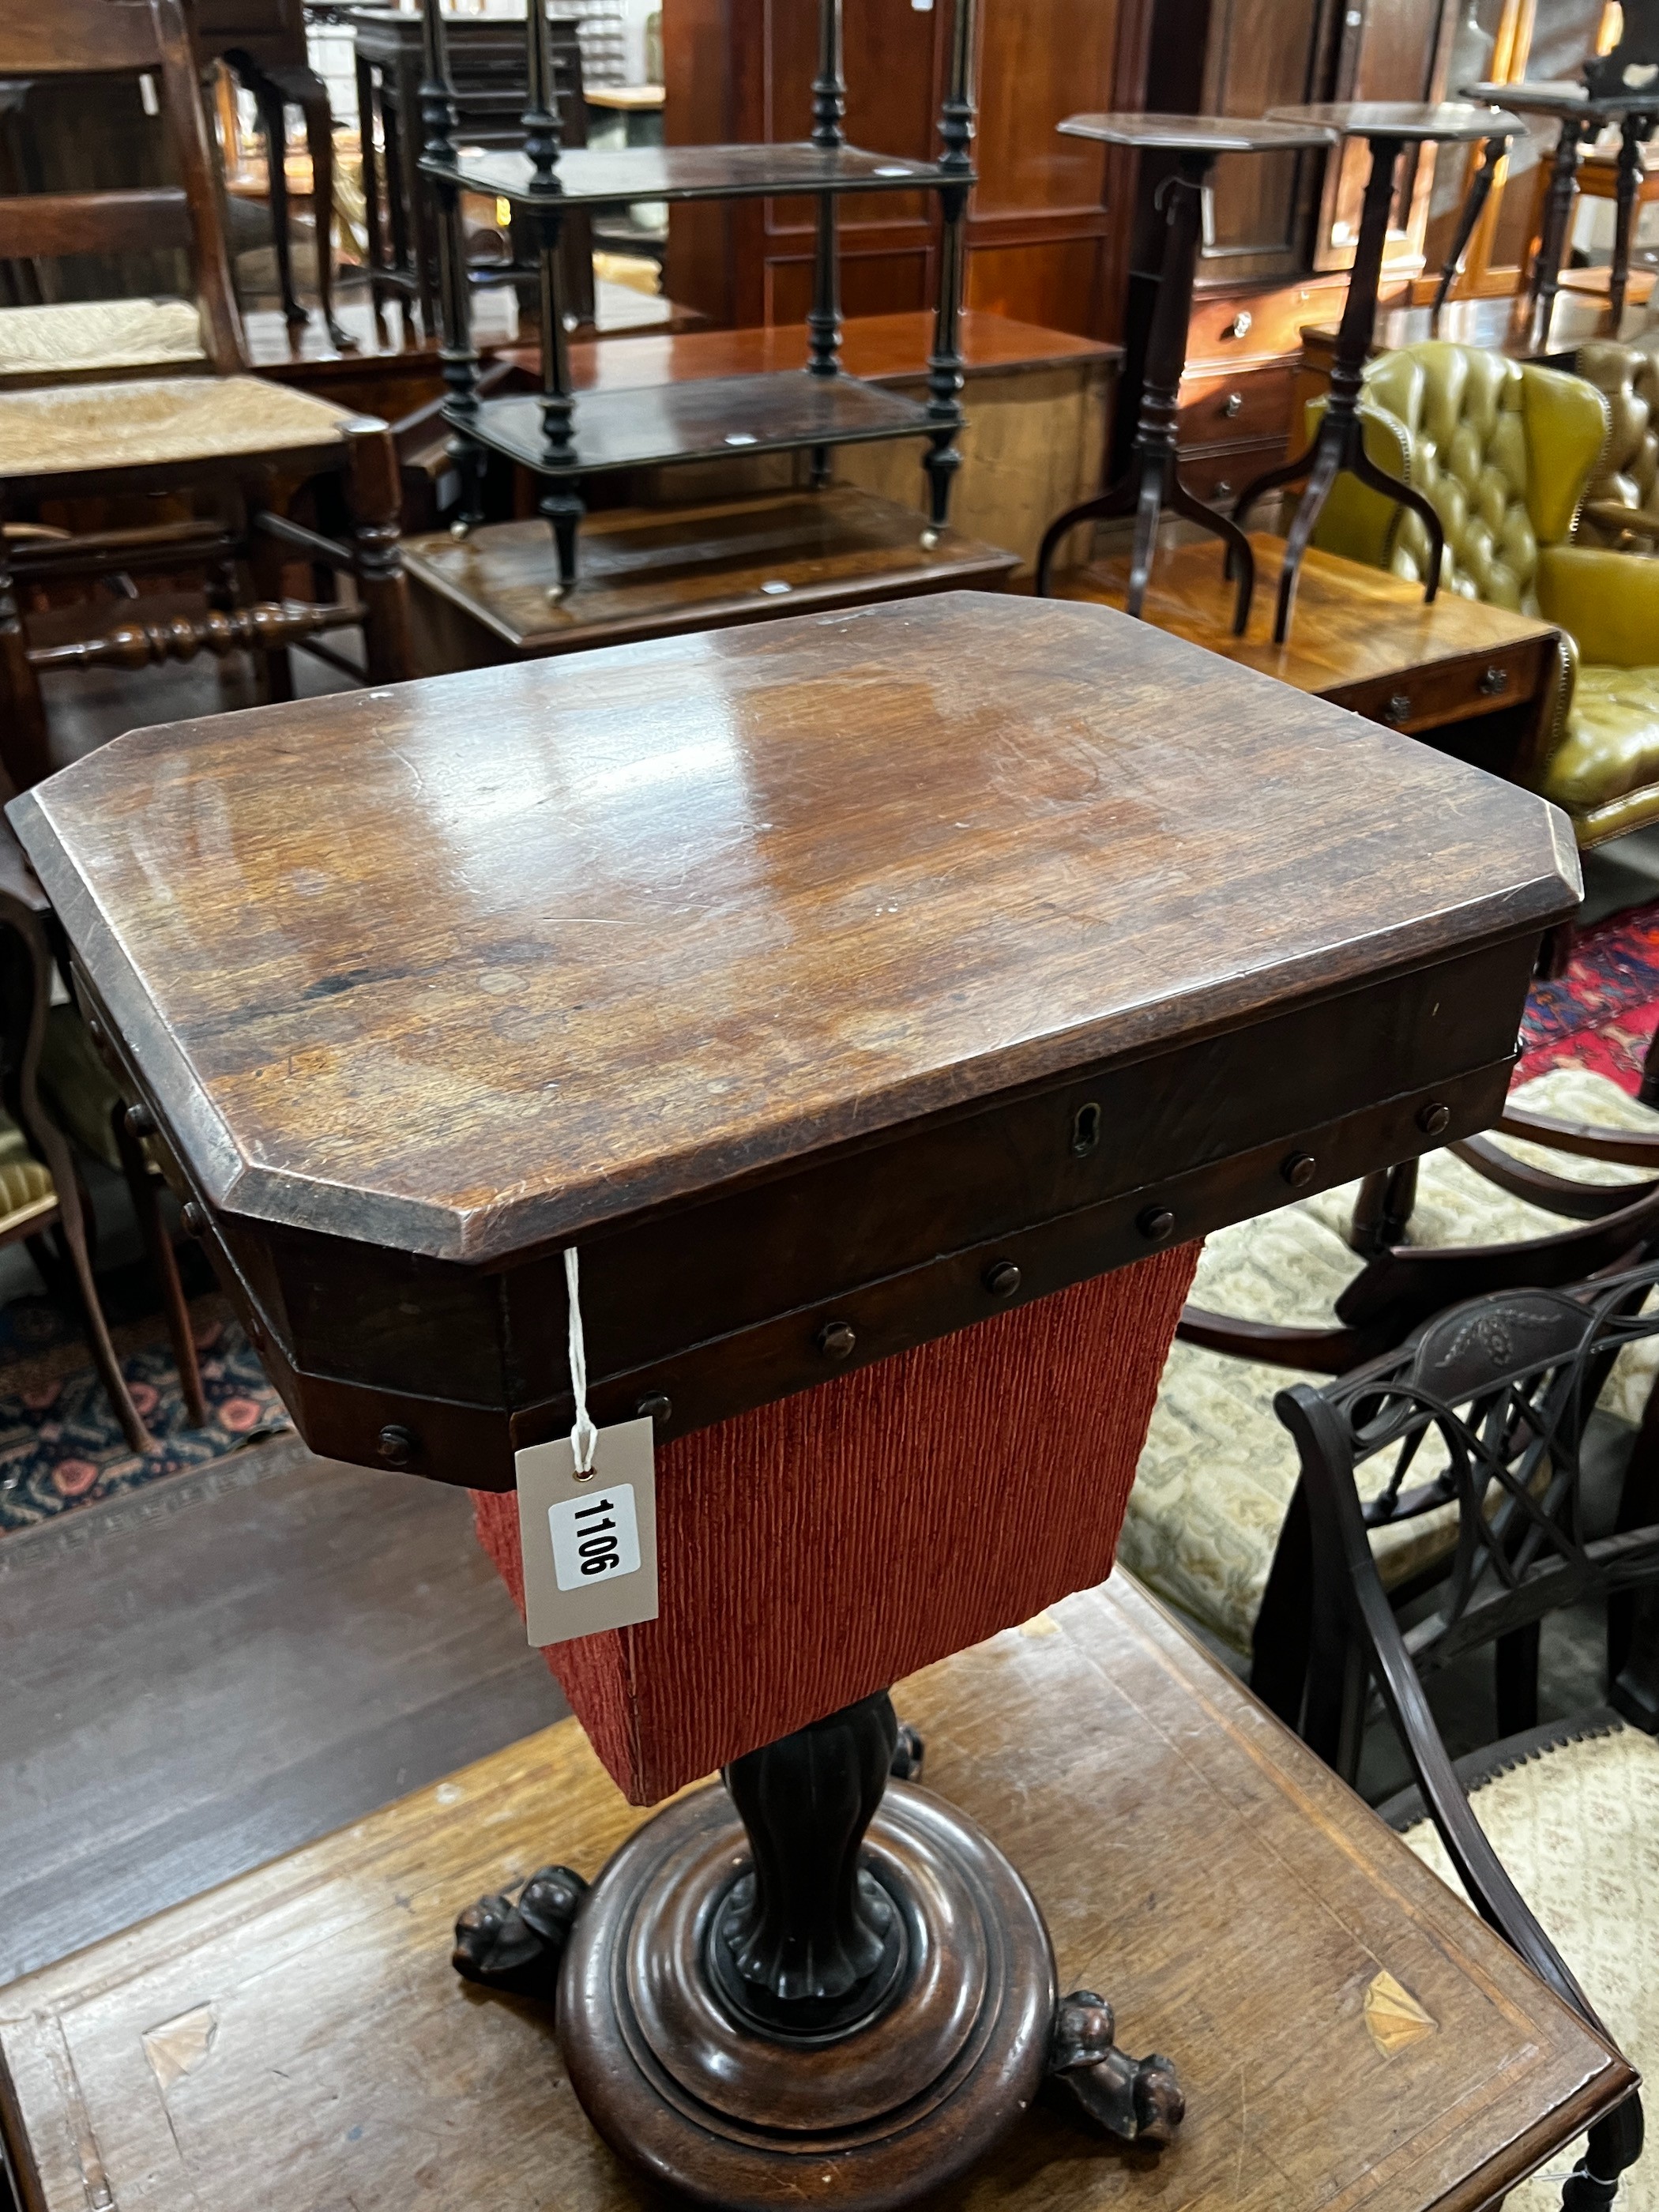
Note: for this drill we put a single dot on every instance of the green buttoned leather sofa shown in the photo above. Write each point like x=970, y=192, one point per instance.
x=1506, y=451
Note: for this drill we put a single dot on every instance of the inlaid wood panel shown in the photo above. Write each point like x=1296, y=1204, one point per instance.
x=1347, y=2031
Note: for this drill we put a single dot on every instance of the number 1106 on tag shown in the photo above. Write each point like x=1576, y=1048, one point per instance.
x=595, y=1540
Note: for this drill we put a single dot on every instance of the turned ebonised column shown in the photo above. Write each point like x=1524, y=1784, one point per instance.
x=1388, y=128
x=1152, y=482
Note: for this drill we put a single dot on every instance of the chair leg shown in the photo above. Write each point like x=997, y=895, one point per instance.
x=1648, y=1090
x=1475, y=200
x=1382, y=1212
x=158, y=1248
x=1515, y=1671
x=25, y=752
x=1633, y=1615
x=373, y=494
x=73, y=1229
x=273, y=123
x=313, y=96
x=1284, y=1627
x=1555, y=953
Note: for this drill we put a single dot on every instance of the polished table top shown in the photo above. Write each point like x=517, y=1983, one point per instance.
x=1347, y=2032
x=1442, y=121
x=1199, y=134
x=497, y=958
x=836, y=983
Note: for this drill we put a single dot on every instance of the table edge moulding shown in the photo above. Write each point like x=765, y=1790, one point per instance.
x=883, y=1001
x=579, y=435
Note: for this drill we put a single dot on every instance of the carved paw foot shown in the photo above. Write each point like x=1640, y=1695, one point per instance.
x=1136, y=2099
x=908, y=1755
x=516, y=1943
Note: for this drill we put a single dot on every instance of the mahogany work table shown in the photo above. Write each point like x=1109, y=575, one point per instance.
x=1356, y=2036
x=861, y=997
x=1469, y=679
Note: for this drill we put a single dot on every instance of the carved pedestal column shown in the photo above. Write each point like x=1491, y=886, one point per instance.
x=814, y=1980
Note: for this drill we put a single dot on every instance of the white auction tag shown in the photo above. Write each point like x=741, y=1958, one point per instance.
x=589, y=1541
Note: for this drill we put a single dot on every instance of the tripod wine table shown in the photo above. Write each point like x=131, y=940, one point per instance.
x=1152, y=481
x=881, y=1003
x=1388, y=127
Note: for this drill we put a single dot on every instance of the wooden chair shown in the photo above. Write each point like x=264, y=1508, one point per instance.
x=39, y=1188
x=1213, y=1522
x=1499, y=1391
x=251, y=449
x=263, y=43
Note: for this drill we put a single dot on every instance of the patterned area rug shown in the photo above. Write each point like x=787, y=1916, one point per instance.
x=60, y=1444
x=1604, y=1010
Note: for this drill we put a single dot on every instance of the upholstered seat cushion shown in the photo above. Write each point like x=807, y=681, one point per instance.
x=26, y=1185
x=81, y=335
x=150, y=420
x=1611, y=746
x=1218, y=1470
x=1576, y=1827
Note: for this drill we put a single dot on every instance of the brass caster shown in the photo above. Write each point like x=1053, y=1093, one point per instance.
x=929, y=539
x=460, y=529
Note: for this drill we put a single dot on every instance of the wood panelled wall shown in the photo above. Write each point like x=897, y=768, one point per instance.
x=1046, y=242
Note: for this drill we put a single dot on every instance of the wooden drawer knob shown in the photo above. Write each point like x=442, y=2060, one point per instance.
x=1233, y=404
x=1494, y=680
x=1397, y=707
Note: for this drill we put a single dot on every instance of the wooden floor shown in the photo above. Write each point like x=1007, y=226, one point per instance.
x=234, y=1662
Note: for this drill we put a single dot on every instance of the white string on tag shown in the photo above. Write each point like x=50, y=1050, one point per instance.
x=584, y=1436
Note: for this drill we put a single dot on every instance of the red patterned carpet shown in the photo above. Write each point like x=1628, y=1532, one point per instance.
x=1603, y=1011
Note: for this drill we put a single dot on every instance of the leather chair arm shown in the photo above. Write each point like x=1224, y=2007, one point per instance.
x=1606, y=600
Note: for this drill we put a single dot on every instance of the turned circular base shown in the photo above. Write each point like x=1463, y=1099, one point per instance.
x=870, y=2116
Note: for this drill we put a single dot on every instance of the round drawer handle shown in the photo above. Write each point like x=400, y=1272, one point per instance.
x=193, y=1214
x=1299, y=1169
x=395, y=1445
x=836, y=1340
x=1434, y=1119
x=1157, y=1224
x=655, y=1405
x=1492, y=682
x=1233, y=404
x=140, y=1122
x=1223, y=491
x=1397, y=707
x=1240, y=325
x=1003, y=1279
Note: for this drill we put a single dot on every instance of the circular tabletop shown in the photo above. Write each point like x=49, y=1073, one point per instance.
x=1201, y=134
x=1450, y=121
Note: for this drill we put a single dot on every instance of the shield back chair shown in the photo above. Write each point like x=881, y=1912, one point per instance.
x=1212, y=1525
x=239, y=452
x=1556, y=1850
x=40, y=1191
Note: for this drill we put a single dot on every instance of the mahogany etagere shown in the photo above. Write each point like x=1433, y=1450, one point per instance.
x=562, y=436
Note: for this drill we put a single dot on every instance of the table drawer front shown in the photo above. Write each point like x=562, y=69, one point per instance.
x=1452, y=690
x=1252, y=406
x=1218, y=477
x=1258, y=326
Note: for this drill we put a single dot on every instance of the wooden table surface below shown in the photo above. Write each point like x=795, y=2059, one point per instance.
x=1348, y=2033
x=1362, y=639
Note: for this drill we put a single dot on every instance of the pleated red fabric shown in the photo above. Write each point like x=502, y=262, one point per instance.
x=819, y=1547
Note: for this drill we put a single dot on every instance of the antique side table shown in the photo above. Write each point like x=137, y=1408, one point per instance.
x=858, y=996
x=295, y=2036
x=1152, y=482
x=1388, y=127
x=1473, y=680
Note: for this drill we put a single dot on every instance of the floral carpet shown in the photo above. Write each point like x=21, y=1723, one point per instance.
x=60, y=1444
x=1603, y=1011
